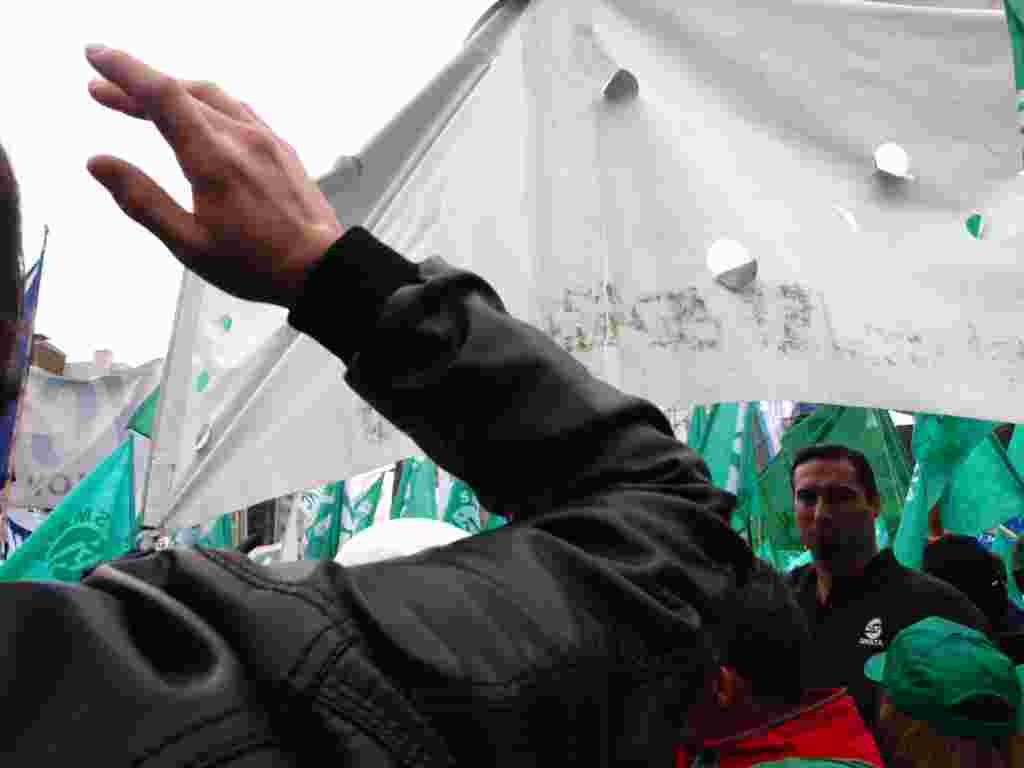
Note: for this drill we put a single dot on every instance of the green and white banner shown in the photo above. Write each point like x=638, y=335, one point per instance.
x=95, y=522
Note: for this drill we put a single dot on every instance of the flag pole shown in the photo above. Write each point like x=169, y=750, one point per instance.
x=5, y=502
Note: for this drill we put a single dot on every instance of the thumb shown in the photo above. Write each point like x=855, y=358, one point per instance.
x=147, y=203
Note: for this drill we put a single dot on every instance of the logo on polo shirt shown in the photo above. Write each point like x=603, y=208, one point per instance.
x=872, y=634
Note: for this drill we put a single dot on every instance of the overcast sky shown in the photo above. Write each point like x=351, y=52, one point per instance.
x=326, y=76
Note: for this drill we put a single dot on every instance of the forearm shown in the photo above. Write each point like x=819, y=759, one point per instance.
x=490, y=398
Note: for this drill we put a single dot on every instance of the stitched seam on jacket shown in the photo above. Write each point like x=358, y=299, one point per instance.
x=186, y=732
x=307, y=651
x=391, y=734
x=372, y=718
x=222, y=755
x=396, y=735
x=325, y=668
x=301, y=593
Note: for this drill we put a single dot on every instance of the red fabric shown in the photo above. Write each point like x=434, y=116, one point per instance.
x=828, y=727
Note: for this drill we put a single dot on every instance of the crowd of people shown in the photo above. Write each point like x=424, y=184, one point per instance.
x=617, y=620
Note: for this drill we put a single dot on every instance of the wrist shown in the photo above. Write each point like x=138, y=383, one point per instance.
x=293, y=279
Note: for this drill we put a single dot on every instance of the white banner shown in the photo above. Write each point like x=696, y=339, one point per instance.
x=68, y=426
x=754, y=129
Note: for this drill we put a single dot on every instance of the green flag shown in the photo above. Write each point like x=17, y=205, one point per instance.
x=1015, y=451
x=417, y=490
x=323, y=537
x=713, y=435
x=143, y=419
x=495, y=521
x=221, y=534
x=941, y=445
x=1014, y=17
x=360, y=515
x=985, y=491
x=743, y=480
x=726, y=437
x=463, y=510
x=95, y=522
x=698, y=426
x=867, y=430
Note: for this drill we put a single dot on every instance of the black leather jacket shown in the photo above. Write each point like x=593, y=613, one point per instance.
x=577, y=634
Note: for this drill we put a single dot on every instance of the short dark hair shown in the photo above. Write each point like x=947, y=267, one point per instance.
x=831, y=452
x=10, y=257
x=963, y=562
x=768, y=636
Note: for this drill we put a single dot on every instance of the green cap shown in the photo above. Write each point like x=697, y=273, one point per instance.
x=935, y=665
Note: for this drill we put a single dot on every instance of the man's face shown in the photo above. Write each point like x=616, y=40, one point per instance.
x=833, y=512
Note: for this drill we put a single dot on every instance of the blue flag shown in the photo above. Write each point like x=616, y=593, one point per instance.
x=23, y=358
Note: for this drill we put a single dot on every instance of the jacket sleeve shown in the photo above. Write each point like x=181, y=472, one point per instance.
x=580, y=629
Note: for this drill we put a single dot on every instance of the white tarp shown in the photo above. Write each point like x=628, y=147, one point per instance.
x=68, y=426
x=203, y=438
x=756, y=121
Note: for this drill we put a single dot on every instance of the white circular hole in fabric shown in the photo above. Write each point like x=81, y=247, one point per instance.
x=892, y=159
x=731, y=264
x=621, y=87
x=397, y=538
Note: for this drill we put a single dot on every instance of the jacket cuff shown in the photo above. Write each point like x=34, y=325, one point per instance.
x=346, y=290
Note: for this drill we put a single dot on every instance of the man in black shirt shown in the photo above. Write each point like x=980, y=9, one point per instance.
x=856, y=598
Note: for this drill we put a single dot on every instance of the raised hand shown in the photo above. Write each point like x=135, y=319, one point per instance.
x=258, y=221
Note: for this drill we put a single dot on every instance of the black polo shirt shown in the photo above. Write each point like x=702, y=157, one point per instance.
x=862, y=617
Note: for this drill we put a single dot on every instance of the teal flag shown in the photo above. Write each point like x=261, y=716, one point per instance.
x=743, y=480
x=941, y=445
x=221, y=534
x=495, y=521
x=713, y=435
x=323, y=537
x=360, y=515
x=417, y=490
x=985, y=491
x=1014, y=19
x=726, y=436
x=94, y=523
x=698, y=426
x=463, y=510
x=144, y=418
x=1015, y=451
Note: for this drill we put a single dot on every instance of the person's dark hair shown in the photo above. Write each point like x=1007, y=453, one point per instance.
x=826, y=452
x=962, y=562
x=10, y=262
x=769, y=636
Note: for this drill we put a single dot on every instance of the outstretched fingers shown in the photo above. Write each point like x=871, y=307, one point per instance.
x=207, y=93
x=147, y=203
x=162, y=99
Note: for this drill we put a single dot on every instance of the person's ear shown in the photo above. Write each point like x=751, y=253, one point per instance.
x=725, y=687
